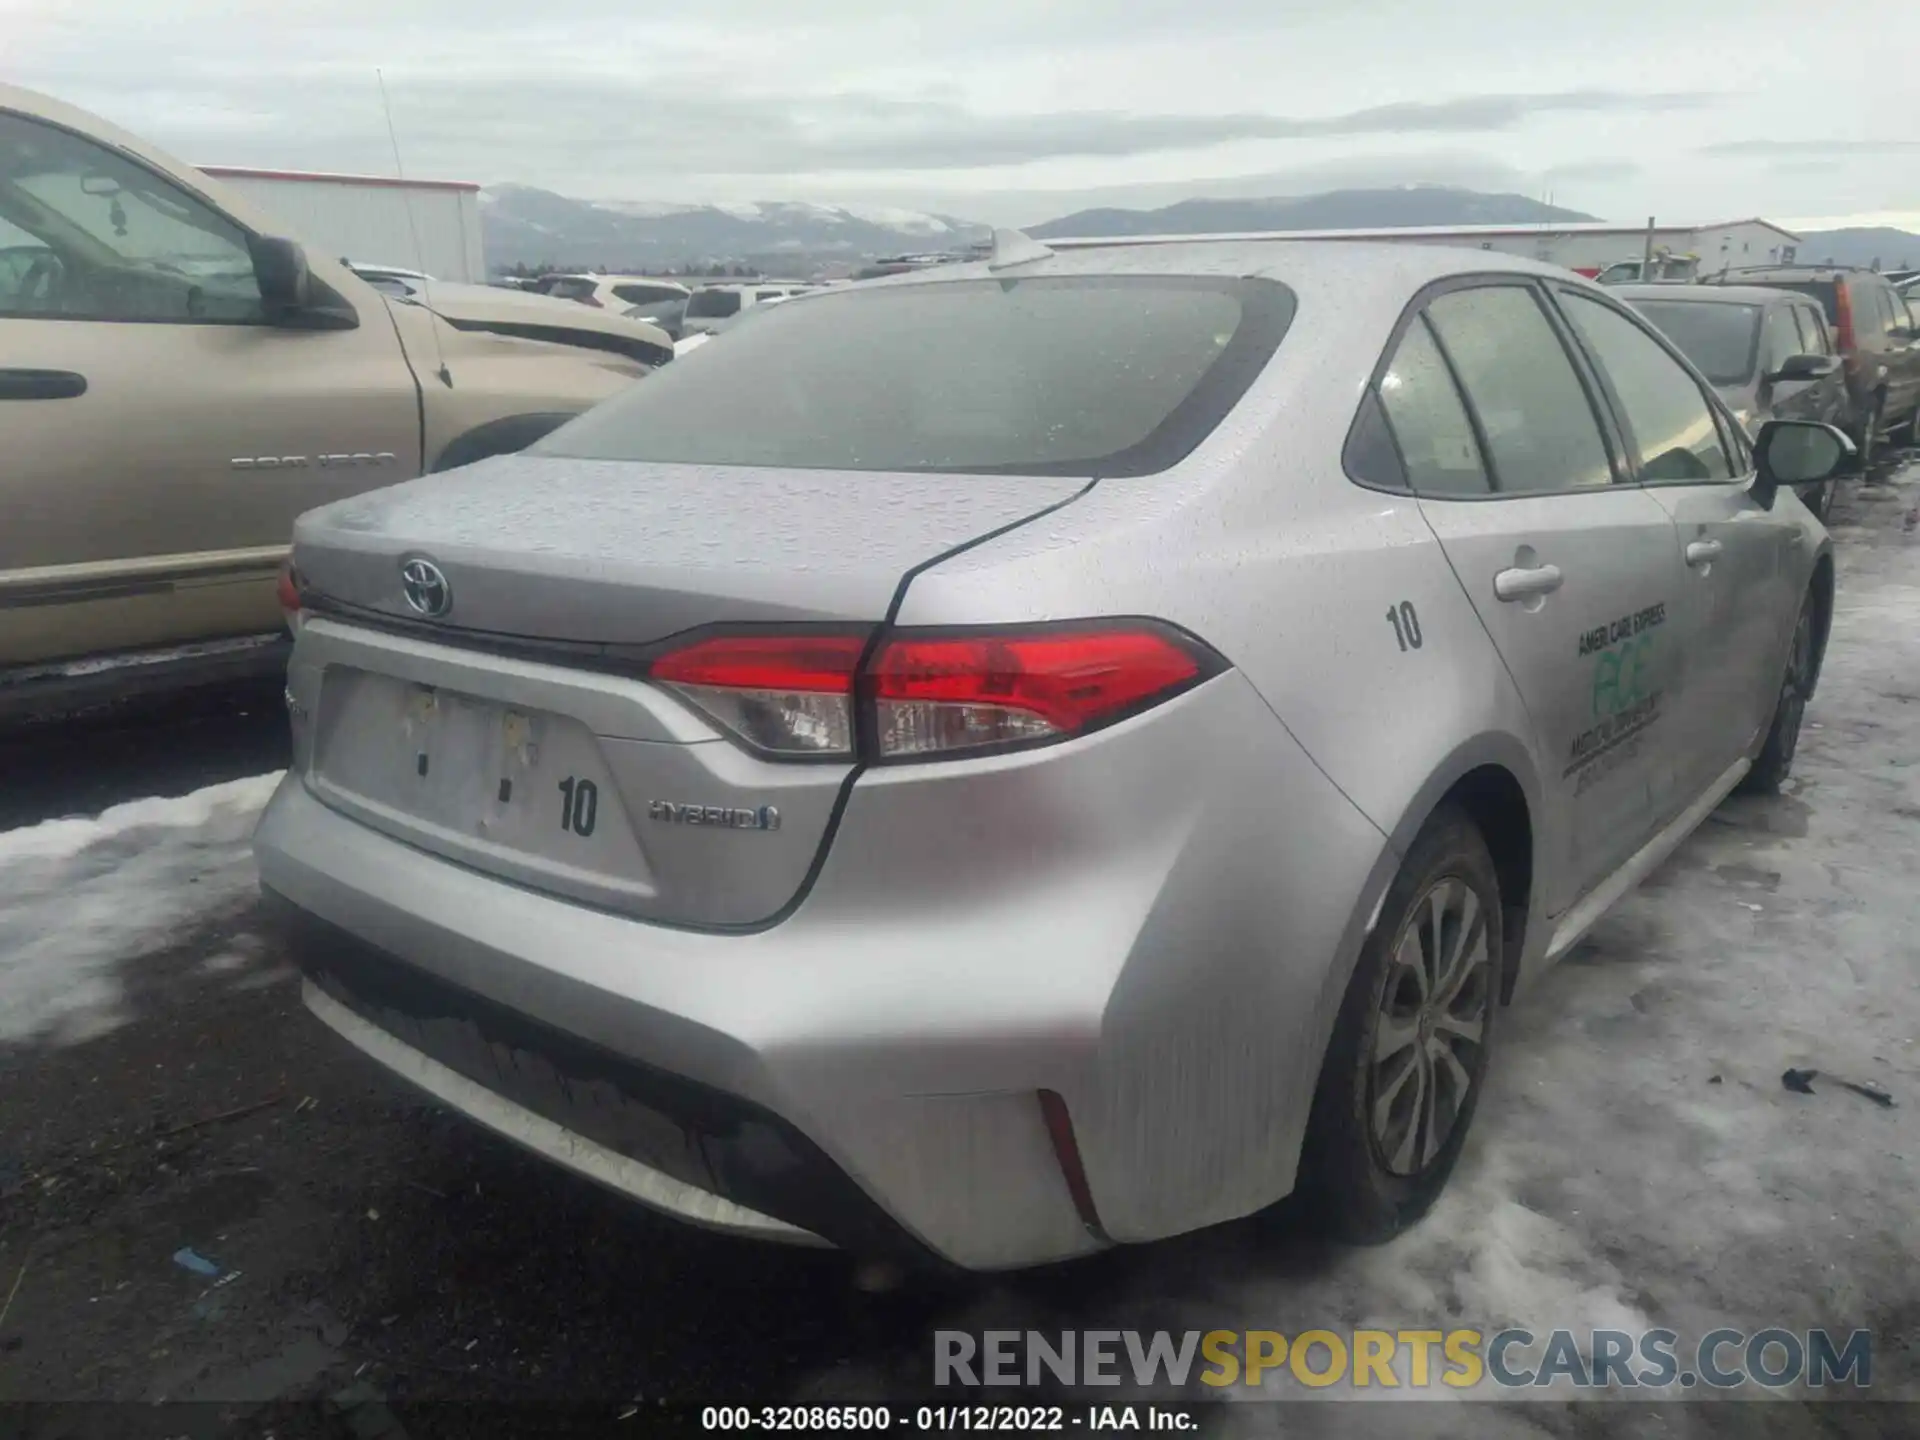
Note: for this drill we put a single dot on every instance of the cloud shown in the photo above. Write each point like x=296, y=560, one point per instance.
x=1813, y=148
x=1592, y=170
x=550, y=127
x=932, y=137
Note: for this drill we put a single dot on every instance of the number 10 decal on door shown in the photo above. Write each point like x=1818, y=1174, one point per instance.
x=1406, y=624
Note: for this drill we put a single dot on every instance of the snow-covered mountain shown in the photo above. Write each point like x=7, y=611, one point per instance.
x=524, y=225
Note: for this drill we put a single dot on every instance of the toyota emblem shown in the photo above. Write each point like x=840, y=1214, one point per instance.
x=425, y=586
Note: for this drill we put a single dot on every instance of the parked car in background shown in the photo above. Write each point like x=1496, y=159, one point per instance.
x=668, y=313
x=866, y=795
x=502, y=311
x=1874, y=334
x=382, y=277
x=1767, y=352
x=179, y=382
x=613, y=292
x=711, y=304
x=1664, y=269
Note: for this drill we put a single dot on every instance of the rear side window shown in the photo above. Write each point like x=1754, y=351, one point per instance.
x=1104, y=376
x=1540, y=430
x=1813, y=331
x=1892, y=311
x=1825, y=291
x=713, y=304
x=1429, y=423
x=1666, y=411
x=573, y=288
x=1780, y=341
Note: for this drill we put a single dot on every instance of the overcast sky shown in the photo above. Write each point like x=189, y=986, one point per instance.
x=1016, y=110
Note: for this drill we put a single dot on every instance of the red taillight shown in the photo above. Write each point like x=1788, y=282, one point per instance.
x=931, y=694
x=790, y=695
x=934, y=694
x=1843, y=317
x=288, y=589
x=1066, y=1151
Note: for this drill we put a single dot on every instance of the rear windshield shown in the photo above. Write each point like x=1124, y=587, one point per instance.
x=1825, y=291
x=574, y=288
x=648, y=294
x=1719, y=339
x=1083, y=375
x=713, y=304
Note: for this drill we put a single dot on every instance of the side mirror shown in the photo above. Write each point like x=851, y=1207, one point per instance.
x=280, y=269
x=1804, y=367
x=1796, y=452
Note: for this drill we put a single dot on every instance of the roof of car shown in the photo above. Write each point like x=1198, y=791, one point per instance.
x=1302, y=264
x=1753, y=275
x=1706, y=294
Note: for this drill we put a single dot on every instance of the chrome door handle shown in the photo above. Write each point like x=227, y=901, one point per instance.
x=1701, y=552
x=1520, y=584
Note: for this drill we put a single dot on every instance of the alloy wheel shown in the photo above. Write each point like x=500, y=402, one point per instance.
x=1430, y=1027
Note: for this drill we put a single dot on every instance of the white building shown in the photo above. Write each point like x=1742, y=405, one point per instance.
x=430, y=225
x=1586, y=246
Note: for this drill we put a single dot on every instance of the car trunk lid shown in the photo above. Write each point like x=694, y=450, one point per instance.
x=509, y=733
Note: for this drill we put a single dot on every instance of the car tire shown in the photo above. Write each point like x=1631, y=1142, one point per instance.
x=1391, y=1111
x=1908, y=431
x=1775, y=760
x=1869, y=439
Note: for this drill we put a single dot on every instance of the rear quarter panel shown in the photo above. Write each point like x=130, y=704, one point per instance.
x=1261, y=545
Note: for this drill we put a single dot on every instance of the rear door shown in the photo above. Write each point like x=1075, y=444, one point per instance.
x=1571, y=572
x=1898, y=351
x=1739, y=591
x=1780, y=341
x=160, y=436
x=1818, y=399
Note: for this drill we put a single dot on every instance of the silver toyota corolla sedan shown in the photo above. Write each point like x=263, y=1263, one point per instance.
x=1043, y=753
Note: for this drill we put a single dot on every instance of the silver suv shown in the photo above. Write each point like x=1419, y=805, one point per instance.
x=1063, y=785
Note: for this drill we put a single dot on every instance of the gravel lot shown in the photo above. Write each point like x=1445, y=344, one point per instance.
x=1636, y=1160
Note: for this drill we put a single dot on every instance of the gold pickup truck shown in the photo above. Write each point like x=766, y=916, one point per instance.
x=178, y=382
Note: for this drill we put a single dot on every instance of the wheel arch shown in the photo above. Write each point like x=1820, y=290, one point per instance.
x=1820, y=590
x=502, y=436
x=1492, y=778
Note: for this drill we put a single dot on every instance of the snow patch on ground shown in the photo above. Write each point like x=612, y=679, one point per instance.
x=82, y=898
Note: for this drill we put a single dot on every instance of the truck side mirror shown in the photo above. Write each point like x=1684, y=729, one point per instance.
x=280, y=270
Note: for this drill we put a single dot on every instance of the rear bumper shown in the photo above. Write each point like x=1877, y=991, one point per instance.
x=1154, y=923
x=693, y=1152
